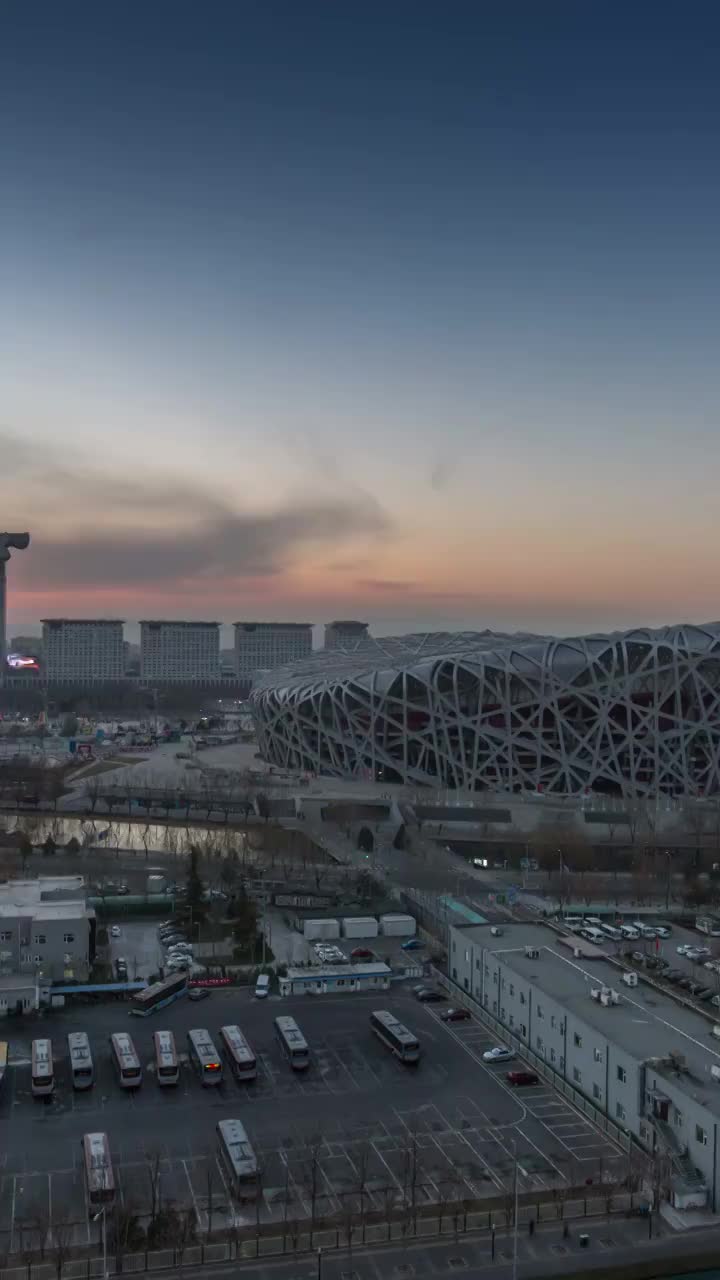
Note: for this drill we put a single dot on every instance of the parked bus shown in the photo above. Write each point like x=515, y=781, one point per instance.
x=293, y=1043
x=43, y=1078
x=238, y=1054
x=99, y=1177
x=127, y=1063
x=204, y=1057
x=158, y=995
x=81, y=1063
x=395, y=1036
x=166, y=1060
x=238, y=1159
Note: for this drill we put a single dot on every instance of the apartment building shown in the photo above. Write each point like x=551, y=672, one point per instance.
x=47, y=932
x=83, y=649
x=644, y=1060
x=345, y=635
x=262, y=646
x=182, y=651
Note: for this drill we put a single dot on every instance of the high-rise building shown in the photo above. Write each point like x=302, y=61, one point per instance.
x=185, y=651
x=345, y=635
x=82, y=650
x=18, y=542
x=264, y=645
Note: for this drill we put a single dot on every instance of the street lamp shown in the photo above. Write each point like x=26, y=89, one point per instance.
x=515, y=1214
x=101, y=1214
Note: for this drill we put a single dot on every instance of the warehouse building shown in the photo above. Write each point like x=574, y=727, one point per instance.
x=646, y=1062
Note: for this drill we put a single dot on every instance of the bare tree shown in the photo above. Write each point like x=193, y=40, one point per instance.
x=153, y=1164
x=315, y=1176
x=61, y=1237
x=93, y=787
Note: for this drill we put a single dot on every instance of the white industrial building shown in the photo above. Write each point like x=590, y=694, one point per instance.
x=262, y=646
x=47, y=932
x=648, y=1064
x=186, y=651
x=83, y=649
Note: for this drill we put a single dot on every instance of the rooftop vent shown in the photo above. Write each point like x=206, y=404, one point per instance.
x=532, y=953
x=715, y=1073
x=631, y=979
x=496, y=933
x=678, y=1061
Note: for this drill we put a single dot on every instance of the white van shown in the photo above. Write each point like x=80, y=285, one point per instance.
x=612, y=932
x=629, y=931
x=572, y=923
x=593, y=935
x=645, y=930
x=262, y=986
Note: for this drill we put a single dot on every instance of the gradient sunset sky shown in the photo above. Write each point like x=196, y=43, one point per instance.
x=386, y=309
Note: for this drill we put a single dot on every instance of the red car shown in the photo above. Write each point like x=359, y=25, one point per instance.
x=361, y=953
x=455, y=1015
x=522, y=1077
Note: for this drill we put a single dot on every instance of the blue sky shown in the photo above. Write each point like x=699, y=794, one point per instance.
x=401, y=310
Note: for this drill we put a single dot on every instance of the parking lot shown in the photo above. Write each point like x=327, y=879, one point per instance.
x=358, y=1129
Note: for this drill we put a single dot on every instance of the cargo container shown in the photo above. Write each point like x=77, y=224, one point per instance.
x=360, y=927
x=316, y=929
x=397, y=926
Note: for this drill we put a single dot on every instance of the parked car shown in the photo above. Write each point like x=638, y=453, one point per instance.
x=684, y=947
x=455, y=1015
x=672, y=975
x=705, y=994
x=428, y=995
x=498, y=1054
x=198, y=993
x=522, y=1077
x=178, y=963
x=662, y=930
x=685, y=982
x=115, y=931
x=361, y=953
x=413, y=944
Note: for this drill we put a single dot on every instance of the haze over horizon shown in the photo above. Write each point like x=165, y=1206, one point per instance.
x=404, y=312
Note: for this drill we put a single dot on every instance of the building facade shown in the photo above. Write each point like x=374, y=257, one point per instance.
x=46, y=929
x=83, y=650
x=345, y=634
x=188, y=652
x=645, y=1061
x=628, y=714
x=262, y=646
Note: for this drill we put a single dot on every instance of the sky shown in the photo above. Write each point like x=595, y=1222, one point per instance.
x=400, y=311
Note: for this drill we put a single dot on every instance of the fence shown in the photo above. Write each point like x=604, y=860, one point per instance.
x=454, y=1220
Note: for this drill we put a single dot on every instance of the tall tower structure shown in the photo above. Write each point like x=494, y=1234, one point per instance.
x=18, y=542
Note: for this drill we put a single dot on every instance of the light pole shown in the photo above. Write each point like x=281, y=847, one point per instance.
x=515, y=1215
x=101, y=1214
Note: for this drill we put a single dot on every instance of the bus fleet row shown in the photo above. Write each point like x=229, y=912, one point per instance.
x=235, y=1054
x=234, y=1151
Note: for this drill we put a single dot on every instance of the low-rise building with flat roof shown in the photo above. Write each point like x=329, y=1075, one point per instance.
x=646, y=1061
x=47, y=931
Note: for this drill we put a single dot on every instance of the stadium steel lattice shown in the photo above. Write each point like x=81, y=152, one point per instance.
x=637, y=712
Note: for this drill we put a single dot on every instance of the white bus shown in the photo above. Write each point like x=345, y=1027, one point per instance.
x=99, y=1177
x=204, y=1057
x=127, y=1063
x=293, y=1043
x=238, y=1159
x=166, y=1059
x=81, y=1063
x=238, y=1054
x=395, y=1036
x=43, y=1077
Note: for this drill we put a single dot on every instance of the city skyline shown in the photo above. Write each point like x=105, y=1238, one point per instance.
x=391, y=312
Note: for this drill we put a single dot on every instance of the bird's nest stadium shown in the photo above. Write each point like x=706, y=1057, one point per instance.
x=627, y=713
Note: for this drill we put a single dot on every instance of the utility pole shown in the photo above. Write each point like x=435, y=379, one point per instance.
x=515, y=1215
